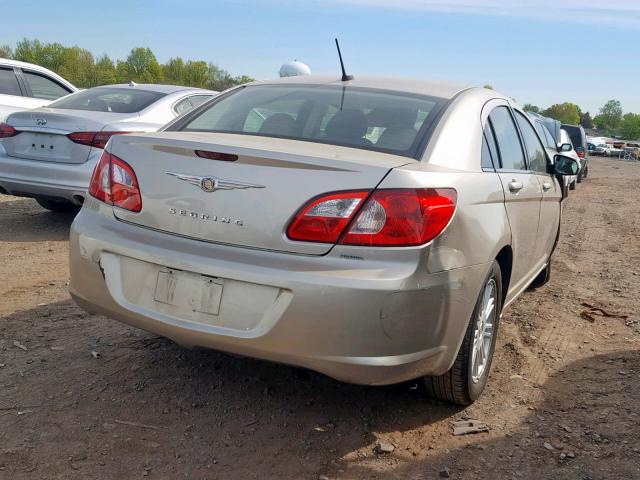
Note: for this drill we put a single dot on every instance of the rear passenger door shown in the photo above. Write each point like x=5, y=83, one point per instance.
x=522, y=195
x=538, y=163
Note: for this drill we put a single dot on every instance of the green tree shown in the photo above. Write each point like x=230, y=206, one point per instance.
x=242, y=79
x=196, y=74
x=173, y=71
x=564, y=112
x=531, y=108
x=142, y=66
x=104, y=72
x=586, y=121
x=76, y=65
x=630, y=126
x=81, y=68
x=610, y=117
x=6, y=51
x=488, y=87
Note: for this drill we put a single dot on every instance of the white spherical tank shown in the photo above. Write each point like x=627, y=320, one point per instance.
x=292, y=69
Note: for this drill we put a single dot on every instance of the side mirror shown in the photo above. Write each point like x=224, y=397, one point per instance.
x=564, y=165
x=566, y=147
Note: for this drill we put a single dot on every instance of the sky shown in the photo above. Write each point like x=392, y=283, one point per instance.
x=536, y=51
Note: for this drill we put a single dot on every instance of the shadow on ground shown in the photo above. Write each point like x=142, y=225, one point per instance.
x=24, y=220
x=147, y=402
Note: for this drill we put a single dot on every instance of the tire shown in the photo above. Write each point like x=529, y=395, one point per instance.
x=572, y=185
x=543, y=277
x=579, y=179
x=586, y=172
x=58, y=206
x=459, y=385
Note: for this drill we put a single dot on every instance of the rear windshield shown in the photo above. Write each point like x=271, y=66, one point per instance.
x=575, y=134
x=355, y=117
x=114, y=100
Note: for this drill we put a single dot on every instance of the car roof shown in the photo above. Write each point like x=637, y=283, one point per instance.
x=6, y=62
x=152, y=87
x=396, y=84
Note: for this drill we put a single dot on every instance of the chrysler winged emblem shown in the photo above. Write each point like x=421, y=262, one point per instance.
x=41, y=121
x=212, y=184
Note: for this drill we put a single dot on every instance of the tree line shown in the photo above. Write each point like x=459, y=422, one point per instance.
x=611, y=120
x=80, y=67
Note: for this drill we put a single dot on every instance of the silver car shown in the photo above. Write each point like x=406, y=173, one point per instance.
x=372, y=230
x=49, y=153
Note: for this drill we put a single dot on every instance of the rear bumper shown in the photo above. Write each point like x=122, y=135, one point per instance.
x=357, y=321
x=32, y=178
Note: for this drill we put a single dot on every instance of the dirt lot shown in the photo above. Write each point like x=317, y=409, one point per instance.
x=563, y=401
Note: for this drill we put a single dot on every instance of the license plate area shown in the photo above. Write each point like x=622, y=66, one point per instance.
x=191, y=291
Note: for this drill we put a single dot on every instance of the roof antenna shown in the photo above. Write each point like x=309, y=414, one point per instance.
x=345, y=77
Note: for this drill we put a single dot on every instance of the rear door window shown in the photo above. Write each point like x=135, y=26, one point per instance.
x=508, y=140
x=9, y=82
x=536, y=155
x=43, y=87
x=490, y=157
x=182, y=106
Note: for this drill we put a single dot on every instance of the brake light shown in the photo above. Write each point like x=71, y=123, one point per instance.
x=325, y=218
x=7, y=131
x=114, y=182
x=389, y=217
x=93, y=139
x=580, y=153
x=224, y=157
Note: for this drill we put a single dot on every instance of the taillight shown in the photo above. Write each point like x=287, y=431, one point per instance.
x=7, y=131
x=580, y=153
x=114, y=182
x=93, y=139
x=389, y=217
x=324, y=218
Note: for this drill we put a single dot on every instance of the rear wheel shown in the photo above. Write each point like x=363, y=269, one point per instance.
x=572, y=185
x=465, y=381
x=57, y=206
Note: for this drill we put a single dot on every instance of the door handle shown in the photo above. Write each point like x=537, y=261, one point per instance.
x=515, y=187
x=546, y=186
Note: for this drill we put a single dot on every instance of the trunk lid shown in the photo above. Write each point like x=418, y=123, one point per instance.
x=43, y=133
x=282, y=176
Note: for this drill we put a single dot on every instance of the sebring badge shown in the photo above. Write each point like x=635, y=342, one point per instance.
x=212, y=184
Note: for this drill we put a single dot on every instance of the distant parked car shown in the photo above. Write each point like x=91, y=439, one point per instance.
x=552, y=146
x=611, y=150
x=49, y=153
x=579, y=141
x=24, y=86
x=565, y=142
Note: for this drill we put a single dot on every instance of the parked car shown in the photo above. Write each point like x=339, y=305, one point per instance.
x=49, y=153
x=565, y=140
x=551, y=145
x=611, y=150
x=600, y=149
x=24, y=86
x=579, y=142
x=329, y=225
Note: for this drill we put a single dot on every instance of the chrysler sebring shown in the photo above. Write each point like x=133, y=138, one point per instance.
x=370, y=229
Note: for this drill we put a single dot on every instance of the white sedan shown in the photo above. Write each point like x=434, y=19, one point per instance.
x=24, y=86
x=49, y=153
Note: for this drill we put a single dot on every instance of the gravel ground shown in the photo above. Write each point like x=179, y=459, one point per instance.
x=84, y=397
